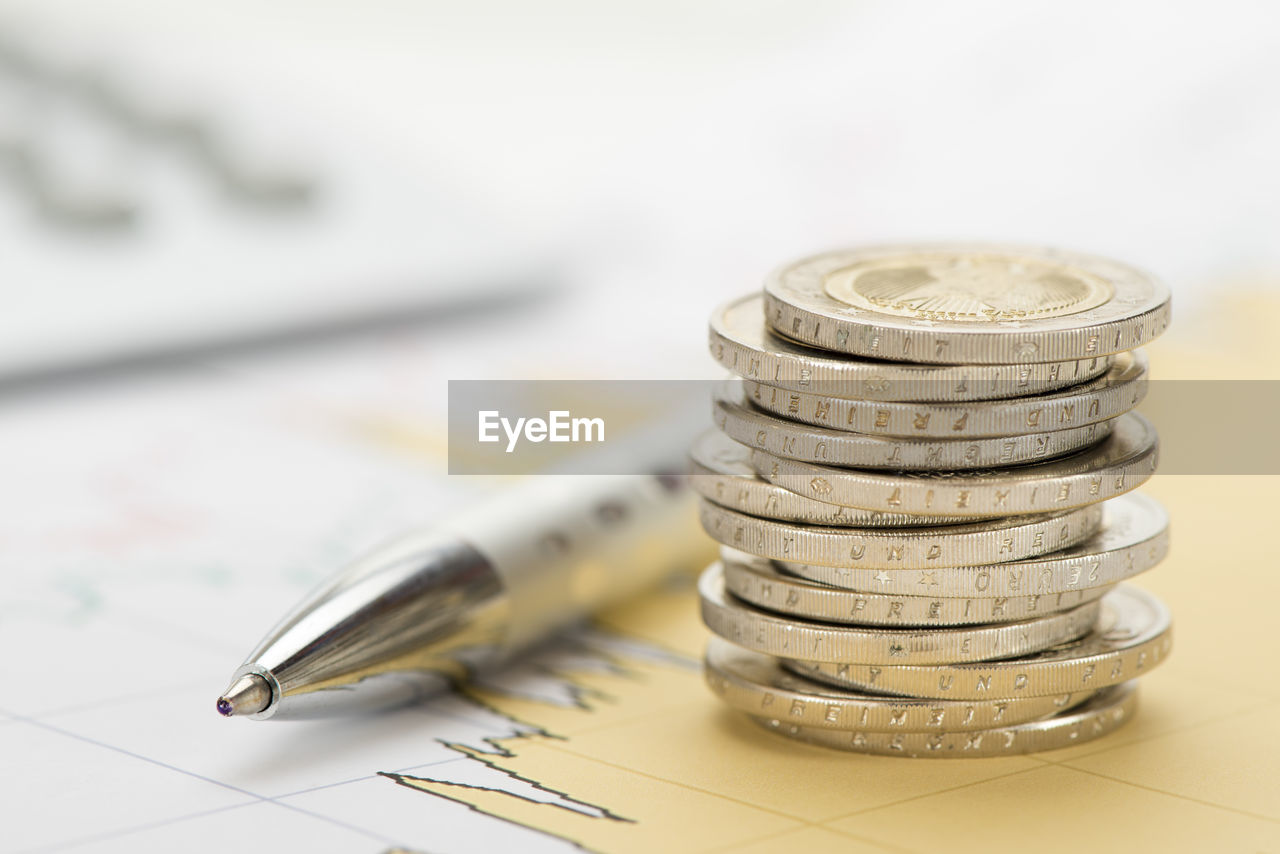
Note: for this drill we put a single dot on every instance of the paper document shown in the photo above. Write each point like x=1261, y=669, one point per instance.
x=144, y=551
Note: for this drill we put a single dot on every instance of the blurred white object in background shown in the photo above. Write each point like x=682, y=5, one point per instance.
x=675, y=151
x=145, y=212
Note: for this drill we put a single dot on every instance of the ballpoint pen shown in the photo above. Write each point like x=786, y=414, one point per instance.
x=431, y=608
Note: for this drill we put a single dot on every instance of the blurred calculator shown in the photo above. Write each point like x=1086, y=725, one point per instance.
x=135, y=220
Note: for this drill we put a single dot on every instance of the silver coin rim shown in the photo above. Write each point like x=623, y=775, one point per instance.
x=1119, y=390
x=876, y=646
x=973, y=544
x=809, y=600
x=708, y=472
x=967, y=495
x=735, y=674
x=1137, y=542
x=1069, y=667
x=878, y=379
x=741, y=421
x=1113, y=707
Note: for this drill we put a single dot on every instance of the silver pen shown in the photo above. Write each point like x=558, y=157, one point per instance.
x=431, y=608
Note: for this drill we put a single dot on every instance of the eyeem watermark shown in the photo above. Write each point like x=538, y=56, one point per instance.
x=658, y=420
x=558, y=426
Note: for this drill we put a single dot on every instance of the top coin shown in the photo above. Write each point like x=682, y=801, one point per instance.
x=741, y=341
x=966, y=304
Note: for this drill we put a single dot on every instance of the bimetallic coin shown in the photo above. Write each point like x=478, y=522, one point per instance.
x=1134, y=635
x=743, y=423
x=1096, y=401
x=1133, y=538
x=759, y=582
x=1120, y=463
x=721, y=473
x=1100, y=715
x=966, y=304
x=756, y=684
x=741, y=342
x=974, y=544
x=752, y=628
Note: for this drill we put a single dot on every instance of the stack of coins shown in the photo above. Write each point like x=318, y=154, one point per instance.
x=922, y=482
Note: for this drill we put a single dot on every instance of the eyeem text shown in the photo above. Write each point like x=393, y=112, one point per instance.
x=558, y=426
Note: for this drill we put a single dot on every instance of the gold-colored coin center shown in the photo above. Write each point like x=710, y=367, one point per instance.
x=968, y=287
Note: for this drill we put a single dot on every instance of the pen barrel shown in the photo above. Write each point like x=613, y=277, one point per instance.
x=566, y=546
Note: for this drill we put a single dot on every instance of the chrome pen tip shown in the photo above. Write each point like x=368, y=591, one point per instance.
x=247, y=695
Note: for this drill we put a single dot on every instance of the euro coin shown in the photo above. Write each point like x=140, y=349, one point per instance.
x=1133, y=636
x=1133, y=537
x=744, y=423
x=740, y=340
x=973, y=544
x=966, y=304
x=756, y=684
x=721, y=472
x=1118, y=464
x=786, y=637
x=1099, y=716
x=760, y=583
x=1116, y=392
